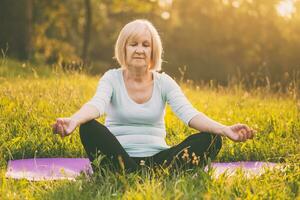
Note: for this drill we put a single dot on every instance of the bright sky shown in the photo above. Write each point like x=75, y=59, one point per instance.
x=286, y=8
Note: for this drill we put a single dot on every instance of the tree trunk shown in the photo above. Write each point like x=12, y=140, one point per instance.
x=87, y=31
x=16, y=28
x=28, y=29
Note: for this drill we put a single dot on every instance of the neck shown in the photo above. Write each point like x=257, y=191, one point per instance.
x=137, y=75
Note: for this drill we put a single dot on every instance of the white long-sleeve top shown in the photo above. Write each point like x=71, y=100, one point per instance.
x=140, y=128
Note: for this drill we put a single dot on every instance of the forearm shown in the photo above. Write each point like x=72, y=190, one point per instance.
x=85, y=114
x=203, y=123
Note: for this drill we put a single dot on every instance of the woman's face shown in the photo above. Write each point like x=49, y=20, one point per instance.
x=138, y=50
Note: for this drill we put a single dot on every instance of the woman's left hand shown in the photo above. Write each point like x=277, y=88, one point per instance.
x=238, y=132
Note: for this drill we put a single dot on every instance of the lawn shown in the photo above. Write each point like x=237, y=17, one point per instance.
x=32, y=97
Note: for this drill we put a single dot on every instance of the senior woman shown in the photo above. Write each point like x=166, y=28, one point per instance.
x=134, y=97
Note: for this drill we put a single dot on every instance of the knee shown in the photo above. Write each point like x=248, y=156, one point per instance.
x=91, y=126
x=218, y=141
x=196, y=136
x=83, y=128
x=215, y=140
x=201, y=136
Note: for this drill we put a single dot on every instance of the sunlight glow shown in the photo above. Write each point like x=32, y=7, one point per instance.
x=226, y=2
x=165, y=3
x=286, y=8
x=236, y=4
x=165, y=15
x=233, y=3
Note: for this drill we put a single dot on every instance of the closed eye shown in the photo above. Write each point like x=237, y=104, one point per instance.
x=145, y=44
x=133, y=44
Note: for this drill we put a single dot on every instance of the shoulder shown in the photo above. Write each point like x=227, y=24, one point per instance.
x=166, y=83
x=111, y=74
x=165, y=79
x=162, y=76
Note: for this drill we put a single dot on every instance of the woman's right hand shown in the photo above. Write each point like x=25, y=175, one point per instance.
x=64, y=126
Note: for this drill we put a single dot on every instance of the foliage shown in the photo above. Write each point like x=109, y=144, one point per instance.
x=216, y=39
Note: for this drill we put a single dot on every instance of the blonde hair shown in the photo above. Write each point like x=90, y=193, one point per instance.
x=133, y=29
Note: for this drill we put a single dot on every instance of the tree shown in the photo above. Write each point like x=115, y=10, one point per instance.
x=87, y=30
x=16, y=28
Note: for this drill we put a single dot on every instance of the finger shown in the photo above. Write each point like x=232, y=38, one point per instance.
x=61, y=130
x=245, y=131
x=243, y=135
x=238, y=127
x=246, y=127
x=54, y=130
x=237, y=137
x=67, y=129
x=253, y=132
x=242, y=138
x=245, y=138
x=248, y=133
x=60, y=121
x=61, y=125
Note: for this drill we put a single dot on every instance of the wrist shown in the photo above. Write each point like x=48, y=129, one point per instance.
x=222, y=130
x=76, y=120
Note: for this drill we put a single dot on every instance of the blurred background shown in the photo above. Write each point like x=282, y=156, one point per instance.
x=252, y=42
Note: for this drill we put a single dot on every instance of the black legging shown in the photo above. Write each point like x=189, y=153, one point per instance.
x=193, y=151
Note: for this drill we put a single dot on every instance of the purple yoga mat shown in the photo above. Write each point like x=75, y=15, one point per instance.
x=38, y=169
x=249, y=168
x=69, y=168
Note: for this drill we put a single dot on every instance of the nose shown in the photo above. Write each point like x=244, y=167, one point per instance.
x=139, y=50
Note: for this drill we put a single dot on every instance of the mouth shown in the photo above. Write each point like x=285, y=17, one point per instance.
x=140, y=58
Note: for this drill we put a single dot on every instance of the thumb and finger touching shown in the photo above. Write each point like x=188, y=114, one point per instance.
x=63, y=126
x=241, y=132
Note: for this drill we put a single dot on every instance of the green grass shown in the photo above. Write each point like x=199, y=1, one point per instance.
x=31, y=98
